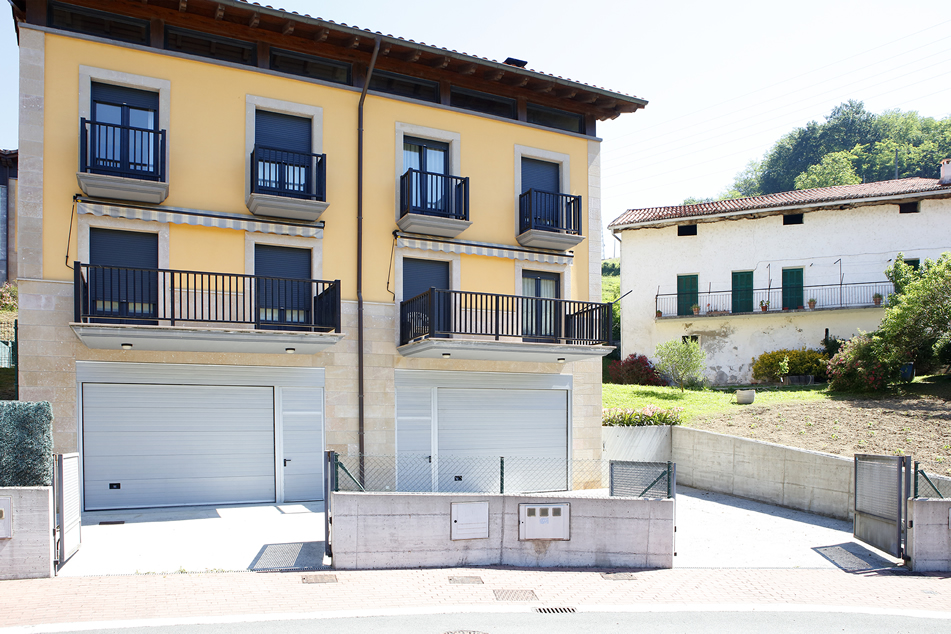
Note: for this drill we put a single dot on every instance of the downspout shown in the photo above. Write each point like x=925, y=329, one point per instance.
x=360, y=392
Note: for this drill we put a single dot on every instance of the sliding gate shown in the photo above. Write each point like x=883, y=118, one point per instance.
x=882, y=489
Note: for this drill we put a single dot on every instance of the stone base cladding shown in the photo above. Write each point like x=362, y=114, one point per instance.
x=49, y=350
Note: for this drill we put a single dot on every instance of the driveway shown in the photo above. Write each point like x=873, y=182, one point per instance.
x=258, y=537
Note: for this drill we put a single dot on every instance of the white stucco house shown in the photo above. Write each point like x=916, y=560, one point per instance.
x=740, y=274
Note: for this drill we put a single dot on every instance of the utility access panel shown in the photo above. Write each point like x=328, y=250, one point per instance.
x=544, y=521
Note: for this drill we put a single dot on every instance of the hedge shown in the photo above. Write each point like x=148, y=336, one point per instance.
x=26, y=444
x=644, y=417
x=803, y=361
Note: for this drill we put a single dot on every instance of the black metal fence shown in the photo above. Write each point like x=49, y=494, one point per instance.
x=444, y=313
x=433, y=194
x=121, y=150
x=547, y=211
x=109, y=294
x=291, y=174
x=773, y=299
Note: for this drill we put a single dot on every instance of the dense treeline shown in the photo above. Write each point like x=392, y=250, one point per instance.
x=851, y=146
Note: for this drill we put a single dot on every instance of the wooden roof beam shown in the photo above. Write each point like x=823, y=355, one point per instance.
x=288, y=28
x=322, y=34
x=440, y=62
x=543, y=87
x=467, y=69
x=220, y=12
x=412, y=56
x=353, y=42
x=494, y=74
x=587, y=97
x=182, y=6
x=255, y=20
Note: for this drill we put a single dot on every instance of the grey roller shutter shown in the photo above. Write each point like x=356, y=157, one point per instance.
x=123, y=96
x=282, y=131
x=421, y=275
x=541, y=176
x=132, y=249
x=174, y=445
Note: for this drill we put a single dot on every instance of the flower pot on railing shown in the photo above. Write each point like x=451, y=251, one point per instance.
x=877, y=299
x=696, y=309
x=812, y=304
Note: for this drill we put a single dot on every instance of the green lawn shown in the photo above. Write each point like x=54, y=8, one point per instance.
x=698, y=402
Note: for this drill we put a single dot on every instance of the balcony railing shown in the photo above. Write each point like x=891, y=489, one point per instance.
x=444, y=313
x=291, y=174
x=433, y=194
x=121, y=150
x=110, y=294
x=744, y=301
x=546, y=211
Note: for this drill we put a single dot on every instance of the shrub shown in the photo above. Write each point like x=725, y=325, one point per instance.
x=26, y=444
x=644, y=417
x=862, y=365
x=682, y=361
x=831, y=345
x=636, y=369
x=8, y=297
x=767, y=367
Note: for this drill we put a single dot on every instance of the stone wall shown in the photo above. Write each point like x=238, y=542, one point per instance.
x=928, y=543
x=29, y=554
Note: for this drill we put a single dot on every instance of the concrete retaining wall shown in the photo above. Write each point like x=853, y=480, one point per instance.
x=640, y=444
x=29, y=554
x=393, y=530
x=929, y=535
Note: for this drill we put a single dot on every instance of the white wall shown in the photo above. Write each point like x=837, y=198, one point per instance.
x=29, y=554
x=929, y=535
x=864, y=238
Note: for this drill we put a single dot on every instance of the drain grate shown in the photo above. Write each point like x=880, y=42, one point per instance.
x=555, y=610
x=515, y=595
x=112, y=523
x=466, y=580
x=319, y=579
x=618, y=576
x=289, y=557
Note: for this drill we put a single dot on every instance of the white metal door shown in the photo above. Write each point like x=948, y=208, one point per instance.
x=150, y=445
x=414, y=439
x=302, y=414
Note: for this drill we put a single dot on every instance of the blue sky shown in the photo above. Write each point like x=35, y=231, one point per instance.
x=724, y=79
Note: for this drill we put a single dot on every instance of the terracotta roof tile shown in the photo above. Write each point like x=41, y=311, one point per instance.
x=780, y=200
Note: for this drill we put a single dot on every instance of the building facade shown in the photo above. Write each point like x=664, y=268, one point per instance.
x=247, y=236
x=781, y=271
x=8, y=197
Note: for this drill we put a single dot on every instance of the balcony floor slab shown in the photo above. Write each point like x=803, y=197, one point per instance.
x=482, y=350
x=202, y=339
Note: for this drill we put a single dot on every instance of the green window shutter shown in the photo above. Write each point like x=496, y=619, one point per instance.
x=792, y=289
x=686, y=294
x=743, y=291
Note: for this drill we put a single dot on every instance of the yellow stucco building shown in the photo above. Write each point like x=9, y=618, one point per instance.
x=246, y=236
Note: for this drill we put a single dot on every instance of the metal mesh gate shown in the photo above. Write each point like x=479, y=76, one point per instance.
x=643, y=479
x=882, y=489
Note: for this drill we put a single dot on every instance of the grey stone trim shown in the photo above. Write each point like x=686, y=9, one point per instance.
x=30, y=170
x=595, y=230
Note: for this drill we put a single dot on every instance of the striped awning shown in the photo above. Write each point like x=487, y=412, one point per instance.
x=481, y=248
x=194, y=217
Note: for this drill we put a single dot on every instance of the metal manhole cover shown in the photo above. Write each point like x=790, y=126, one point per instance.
x=618, y=576
x=319, y=579
x=515, y=595
x=471, y=580
x=555, y=610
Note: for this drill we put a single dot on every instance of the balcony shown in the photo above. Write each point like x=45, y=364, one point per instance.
x=433, y=204
x=773, y=300
x=122, y=162
x=289, y=185
x=487, y=326
x=168, y=310
x=549, y=221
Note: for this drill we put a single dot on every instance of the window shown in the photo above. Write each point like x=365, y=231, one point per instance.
x=539, y=322
x=283, y=289
x=542, y=176
x=215, y=47
x=419, y=276
x=427, y=187
x=792, y=219
x=405, y=86
x=686, y=230
x=687, y=296
x=552, y=118
x=123, y=137
x=90, y=22
x=309, y=66
x=908, y=208
x=122, y=277
x=914, y=263
x=742, y=292
x=482, y=102
x=792, y=289
x=282, y=155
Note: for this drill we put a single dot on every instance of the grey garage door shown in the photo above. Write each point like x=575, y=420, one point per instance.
x=173, y=445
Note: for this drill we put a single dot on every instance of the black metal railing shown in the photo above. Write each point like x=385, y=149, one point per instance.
x=121, y=150
x=547, y=211
x=291, y=174
x=444, y=313
x=433, y=194
x=778, y=299
x=110, y=294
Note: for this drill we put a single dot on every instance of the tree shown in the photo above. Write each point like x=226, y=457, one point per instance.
x=919, y=315
x=682, y=361
x=693, y=200
x=834, y=169
x=746, y=184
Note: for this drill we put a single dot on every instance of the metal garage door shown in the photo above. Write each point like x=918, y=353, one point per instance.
x=172, y=445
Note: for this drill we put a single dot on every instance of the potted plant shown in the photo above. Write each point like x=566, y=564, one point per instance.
x=660, y=314
x=696, y=309
x=877, y=298
x=764, y=304
x=812, y=303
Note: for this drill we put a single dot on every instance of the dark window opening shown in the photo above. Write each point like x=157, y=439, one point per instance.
x=90, y=22
x=792, y=219
x=539, y=316
x=559, y=119
x=908, y=208
x=914, y=263
x=405, y=86
x=123, y=137
x=686, y=230
x=308, y=66
x=221, y=48
x=689, y=338
x=482, y=102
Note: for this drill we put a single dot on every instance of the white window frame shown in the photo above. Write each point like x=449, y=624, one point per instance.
x=524, y=151
x=454, y=139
